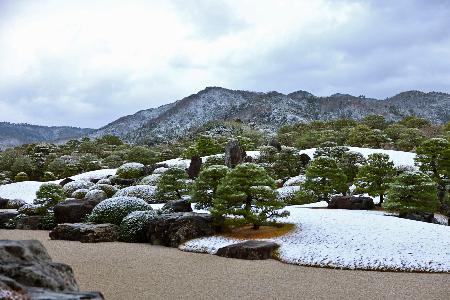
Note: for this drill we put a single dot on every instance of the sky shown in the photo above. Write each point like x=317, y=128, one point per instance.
x=86, y=63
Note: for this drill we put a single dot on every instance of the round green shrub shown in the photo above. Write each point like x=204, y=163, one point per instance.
x=96, y=195
x=109, y=189
x=132, y=228
x=144, y=192
x=150, y=180
x=71, y=187
x=48, y=176
x=51, y=191
x=21, y=176
x=130, y=170
x=79, y=194
x=113, y=210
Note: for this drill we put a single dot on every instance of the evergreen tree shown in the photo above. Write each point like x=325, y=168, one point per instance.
x=143, y=155
x=248, y=191
x=204, y=189
x=287, y=163
x=375, y=175
x=324, y=178
x=172, y=185
x=412, y=192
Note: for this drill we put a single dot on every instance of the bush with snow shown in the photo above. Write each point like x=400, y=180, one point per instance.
x=110, y=190
x=79, y=194
x=130, y=170
x=52, y=191
x=160, y=170
x=71, y=187
x=294, y=181
x=113, y=210
x=150, y=179
x=15, y=203
x=144, y=192
x=104, y=181
x=132, y=227
x=96, y=195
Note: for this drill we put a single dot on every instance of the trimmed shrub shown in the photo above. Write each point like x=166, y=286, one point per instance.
x=110, y=190
x=21, y=176
x=113, y=210
x=150, y=179
x=144, y=192
x=130, y=170
x=48, y=176
x=79, y=194
x=51, y=191
x=96, y=195
x=71, y=187
x=132, y=228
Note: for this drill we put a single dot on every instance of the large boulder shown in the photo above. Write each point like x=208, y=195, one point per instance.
x=28, y=264
x=252, y=250
x=418, y=216
x=181, y=205
x=85, y=232
x=29, y=222
x=27, y=272
x=234, y=153
x=3, y=203
x=173, y=229
x=194, y=167
x=6, y=216
x=73, y=210
x=65, y=181
x=350, y=202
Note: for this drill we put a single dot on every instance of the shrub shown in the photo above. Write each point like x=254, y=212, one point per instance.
x=51, y=191
x=132, y=227
x=143, y=155
x=172, y=185
x=15, y=203
x=412, y=192
x=21, y=176
x=113, y=210
x=48, y=176
x=150, y=179
x=110, y=190
x=130, y=170
x=79, y=194
x=144, y=192
x=205, y=186
x=218, y=159
x=71, y=187
x=96, y=195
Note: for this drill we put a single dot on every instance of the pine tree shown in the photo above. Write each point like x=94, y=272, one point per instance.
x=375, y=176
x=324, y=178
x=205, y=186
x=248, y=191
x=412, y=192
x=172, y=185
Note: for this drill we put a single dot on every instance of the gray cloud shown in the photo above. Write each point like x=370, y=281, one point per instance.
x=79, y=64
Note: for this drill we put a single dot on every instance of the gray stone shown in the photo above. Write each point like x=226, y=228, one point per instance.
x=6, y=216
x=253, y=250
x=65, y=181
x=177, y=206
x=29, y=222
x=3, y=203
x=85, y=232
x=418, y=216
x=194, y=167
x=173, y=229
x=72, y=210
x=234, y=153
x=350, y=202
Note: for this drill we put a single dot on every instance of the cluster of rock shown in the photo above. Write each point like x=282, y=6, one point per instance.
x=27, y=272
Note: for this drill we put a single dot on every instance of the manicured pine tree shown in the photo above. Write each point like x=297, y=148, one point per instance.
x=324, y=178
x=412, y=192
x=375, y=175
x=204, y=189
x=248, y=191
x=172, y=185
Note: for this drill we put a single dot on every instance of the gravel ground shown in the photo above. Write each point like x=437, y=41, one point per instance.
x=140, y=271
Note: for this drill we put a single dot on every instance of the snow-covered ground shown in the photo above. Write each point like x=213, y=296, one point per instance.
x=353, y=240
x=26, y=190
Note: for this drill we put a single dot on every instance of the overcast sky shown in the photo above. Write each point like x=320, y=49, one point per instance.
x=86, y=63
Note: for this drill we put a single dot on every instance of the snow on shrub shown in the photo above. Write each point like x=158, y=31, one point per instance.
x=144, y=192
x=110, y=190
x=113, y=210
x=132, y=228
x=51, y=191
x=79, y=194
x=296, y=180
x=96, y=195
x=150, y=179
x=104, y=181
x=160, y=170
x=130, y=170
x=71, y=187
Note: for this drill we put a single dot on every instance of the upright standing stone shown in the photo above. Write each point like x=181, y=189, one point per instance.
x=194, y=166
x=234, y=153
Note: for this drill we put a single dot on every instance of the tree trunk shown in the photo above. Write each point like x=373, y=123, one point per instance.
x=255, y=227
x=381, y=200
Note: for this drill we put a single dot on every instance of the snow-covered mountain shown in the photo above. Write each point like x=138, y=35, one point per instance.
x=12, y=135
x=269, y=111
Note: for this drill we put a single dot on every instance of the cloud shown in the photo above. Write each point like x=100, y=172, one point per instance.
x=85, y=63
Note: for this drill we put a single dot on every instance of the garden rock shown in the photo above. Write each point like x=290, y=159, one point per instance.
x=234, y=154
x=73, y=210
x=85, y=232
x=29, y=222
x=173, y=229
x=418, y=216
x=3, y=203
x=177, y=206
x=350, y=202
x=253, y=250
x=194, y=167
x=65, y=181
x=28, y=264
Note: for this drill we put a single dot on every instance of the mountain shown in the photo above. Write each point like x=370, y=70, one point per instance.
x=12, y=135
x=269, y=111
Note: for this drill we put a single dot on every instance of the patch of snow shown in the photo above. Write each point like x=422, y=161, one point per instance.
x=296, y=180
x=177, y=162
x=354, y=240
x=98, y=174
x=25, y=190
